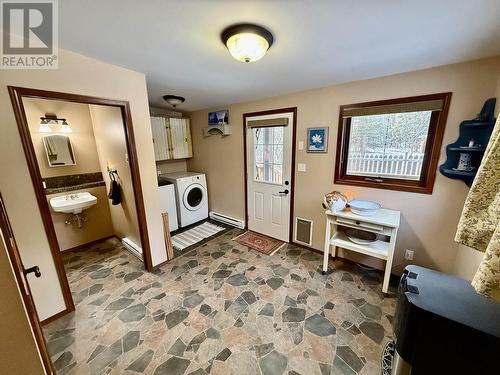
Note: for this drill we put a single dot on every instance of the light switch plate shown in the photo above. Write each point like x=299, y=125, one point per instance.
x=301, y=145
x=301, y=167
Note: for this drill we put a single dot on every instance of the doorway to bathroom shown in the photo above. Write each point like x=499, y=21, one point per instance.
x=83, y=164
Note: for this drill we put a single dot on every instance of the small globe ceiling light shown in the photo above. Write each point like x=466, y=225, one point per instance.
x=65, y=128
x=174, y=100
x=44, y=126
x=247, y=42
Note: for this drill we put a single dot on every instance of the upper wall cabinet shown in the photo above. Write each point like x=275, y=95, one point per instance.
x=171, y=138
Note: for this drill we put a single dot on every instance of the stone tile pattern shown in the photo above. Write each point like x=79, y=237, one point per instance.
x=220, y=309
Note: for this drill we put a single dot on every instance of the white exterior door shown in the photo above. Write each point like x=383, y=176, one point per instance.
x=269, y=168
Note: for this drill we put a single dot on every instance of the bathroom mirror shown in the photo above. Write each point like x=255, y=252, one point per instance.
x=59, y=150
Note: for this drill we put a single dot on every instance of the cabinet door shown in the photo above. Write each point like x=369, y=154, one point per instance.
x=160, y=143
x=187, y=137
x=179, y=138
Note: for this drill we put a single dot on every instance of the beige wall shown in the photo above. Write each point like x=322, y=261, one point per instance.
x=18, y=349
x=97, y=226
x=82, y=138
x=428, y=221
x=112, y=149
x=80, y=75
x=171, y=166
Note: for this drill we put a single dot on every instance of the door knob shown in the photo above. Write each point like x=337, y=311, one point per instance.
x=34, y=269
x=284, y=192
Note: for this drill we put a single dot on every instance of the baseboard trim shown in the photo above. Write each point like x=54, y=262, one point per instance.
x=80, y=247
x=158, y=266
x=308, y=248
x=55, y=317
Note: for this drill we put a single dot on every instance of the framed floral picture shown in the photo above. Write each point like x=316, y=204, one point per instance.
x=317, y=139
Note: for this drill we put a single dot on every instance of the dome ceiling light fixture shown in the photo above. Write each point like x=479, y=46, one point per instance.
x=174, y=100
x=247, y=42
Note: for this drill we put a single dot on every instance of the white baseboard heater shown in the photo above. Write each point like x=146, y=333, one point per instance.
x=238, y=223
x=132, y=247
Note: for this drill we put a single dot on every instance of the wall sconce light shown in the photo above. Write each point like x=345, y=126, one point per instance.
x=65, y=128
x=44, y=126
x=48, y=120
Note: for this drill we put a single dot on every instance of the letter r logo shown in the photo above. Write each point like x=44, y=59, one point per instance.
x=27, y=27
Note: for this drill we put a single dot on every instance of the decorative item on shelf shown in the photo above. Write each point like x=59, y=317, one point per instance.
x=464, y=156
x=334, y=201
x=464, y=163
x=317, y=140
x=218, y=124
x=472, y=146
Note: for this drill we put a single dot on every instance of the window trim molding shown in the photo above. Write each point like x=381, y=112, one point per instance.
x=432, y=150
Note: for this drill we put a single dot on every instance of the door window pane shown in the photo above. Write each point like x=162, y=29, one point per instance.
x=268, y=154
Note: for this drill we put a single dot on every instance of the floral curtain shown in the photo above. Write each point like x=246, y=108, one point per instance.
x=479, y=226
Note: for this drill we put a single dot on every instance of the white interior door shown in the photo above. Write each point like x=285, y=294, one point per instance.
x=269, y=159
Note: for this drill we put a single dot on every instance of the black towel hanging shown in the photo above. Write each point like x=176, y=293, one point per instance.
x=115, y=193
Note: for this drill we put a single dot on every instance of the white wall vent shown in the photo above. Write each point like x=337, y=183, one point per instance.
x=238, y=223
x=303, y=231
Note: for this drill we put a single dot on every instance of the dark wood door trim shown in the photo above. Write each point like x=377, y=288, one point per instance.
x=16, y=263
x=16, y=95
x=292, y=176
x=432, y=151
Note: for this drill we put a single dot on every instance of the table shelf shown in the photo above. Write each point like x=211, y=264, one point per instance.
x=378, y=249
x=384, y=223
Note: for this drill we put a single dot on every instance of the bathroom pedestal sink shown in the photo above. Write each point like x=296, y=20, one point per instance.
x=73, y=203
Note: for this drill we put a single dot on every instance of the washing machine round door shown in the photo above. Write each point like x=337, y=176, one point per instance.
x=194, y=196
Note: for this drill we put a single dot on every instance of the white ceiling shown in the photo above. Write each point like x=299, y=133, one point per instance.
x=317, y=42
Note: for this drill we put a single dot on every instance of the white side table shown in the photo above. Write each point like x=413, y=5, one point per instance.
x=384, y=223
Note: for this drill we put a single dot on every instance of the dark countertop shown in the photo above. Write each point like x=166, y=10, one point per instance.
x=74, y=187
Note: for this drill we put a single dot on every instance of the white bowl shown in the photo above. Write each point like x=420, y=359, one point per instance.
x=364, y=207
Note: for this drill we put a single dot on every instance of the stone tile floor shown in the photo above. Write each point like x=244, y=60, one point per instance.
x=220, y=309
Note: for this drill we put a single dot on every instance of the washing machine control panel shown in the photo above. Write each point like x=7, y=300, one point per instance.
x=192, y=179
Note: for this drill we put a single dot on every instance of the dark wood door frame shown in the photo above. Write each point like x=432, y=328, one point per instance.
x=17, y=267
x=292, y=176
x=16, y=95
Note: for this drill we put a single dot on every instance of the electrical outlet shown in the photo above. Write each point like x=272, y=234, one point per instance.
x=301, y=167
x=409, y=254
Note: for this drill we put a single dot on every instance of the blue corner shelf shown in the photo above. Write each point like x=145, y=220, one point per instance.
x=478, y=129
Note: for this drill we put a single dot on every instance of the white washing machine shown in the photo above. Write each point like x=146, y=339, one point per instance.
x=191, y=196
